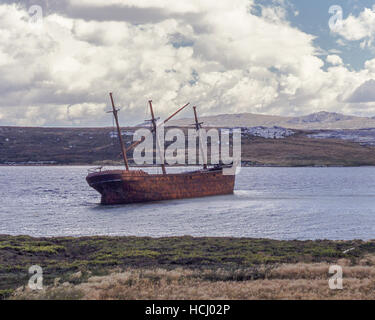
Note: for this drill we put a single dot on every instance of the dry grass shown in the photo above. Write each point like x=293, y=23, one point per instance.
x=285, y=281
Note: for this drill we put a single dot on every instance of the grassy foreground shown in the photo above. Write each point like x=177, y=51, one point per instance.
x=184, y=268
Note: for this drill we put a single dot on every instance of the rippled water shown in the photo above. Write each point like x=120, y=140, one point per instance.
x=278, y=203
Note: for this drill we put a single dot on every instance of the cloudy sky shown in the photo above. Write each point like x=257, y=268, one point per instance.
x=281, y=57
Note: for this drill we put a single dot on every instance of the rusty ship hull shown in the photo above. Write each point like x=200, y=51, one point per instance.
x=122, y=187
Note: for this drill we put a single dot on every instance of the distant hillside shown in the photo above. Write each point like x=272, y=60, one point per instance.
x=315, y=121
x=323, y=117
x=260, y=146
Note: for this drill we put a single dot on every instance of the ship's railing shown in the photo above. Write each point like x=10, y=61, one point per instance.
x=95, y=169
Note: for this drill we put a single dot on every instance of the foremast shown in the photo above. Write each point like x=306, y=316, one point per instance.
x=123, y=150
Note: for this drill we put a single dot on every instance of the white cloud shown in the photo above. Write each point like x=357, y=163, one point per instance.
x=370, y=65
x=334, y=60
x=214, y=54
x=361, y=27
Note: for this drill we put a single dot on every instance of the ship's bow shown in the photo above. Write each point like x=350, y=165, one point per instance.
x=113, y=185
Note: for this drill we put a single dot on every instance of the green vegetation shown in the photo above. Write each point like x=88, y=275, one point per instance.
x=62, y=257
x=5, y=293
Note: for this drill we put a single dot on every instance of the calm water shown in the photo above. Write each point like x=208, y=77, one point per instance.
x=278, y=203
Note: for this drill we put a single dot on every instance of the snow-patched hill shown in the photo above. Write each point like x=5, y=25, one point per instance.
x=314, y=121
x=264, y=132
x=268, y=133
x=365, y=137
x=321, y=117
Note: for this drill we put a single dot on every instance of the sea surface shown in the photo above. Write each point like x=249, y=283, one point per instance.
x=277, y=203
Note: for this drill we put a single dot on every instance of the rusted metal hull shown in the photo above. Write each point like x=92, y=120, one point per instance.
x=120, y=186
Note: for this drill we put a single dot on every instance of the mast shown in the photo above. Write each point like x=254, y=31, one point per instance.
x=153, y=120
x=115, y=111
x=198, y=126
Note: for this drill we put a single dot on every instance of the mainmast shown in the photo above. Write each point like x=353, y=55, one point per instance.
x=123, y=150
x=153, y=121
x=164, y=122
x=198, y=126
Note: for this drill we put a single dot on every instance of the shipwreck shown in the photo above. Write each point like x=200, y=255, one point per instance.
x=134, y=185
